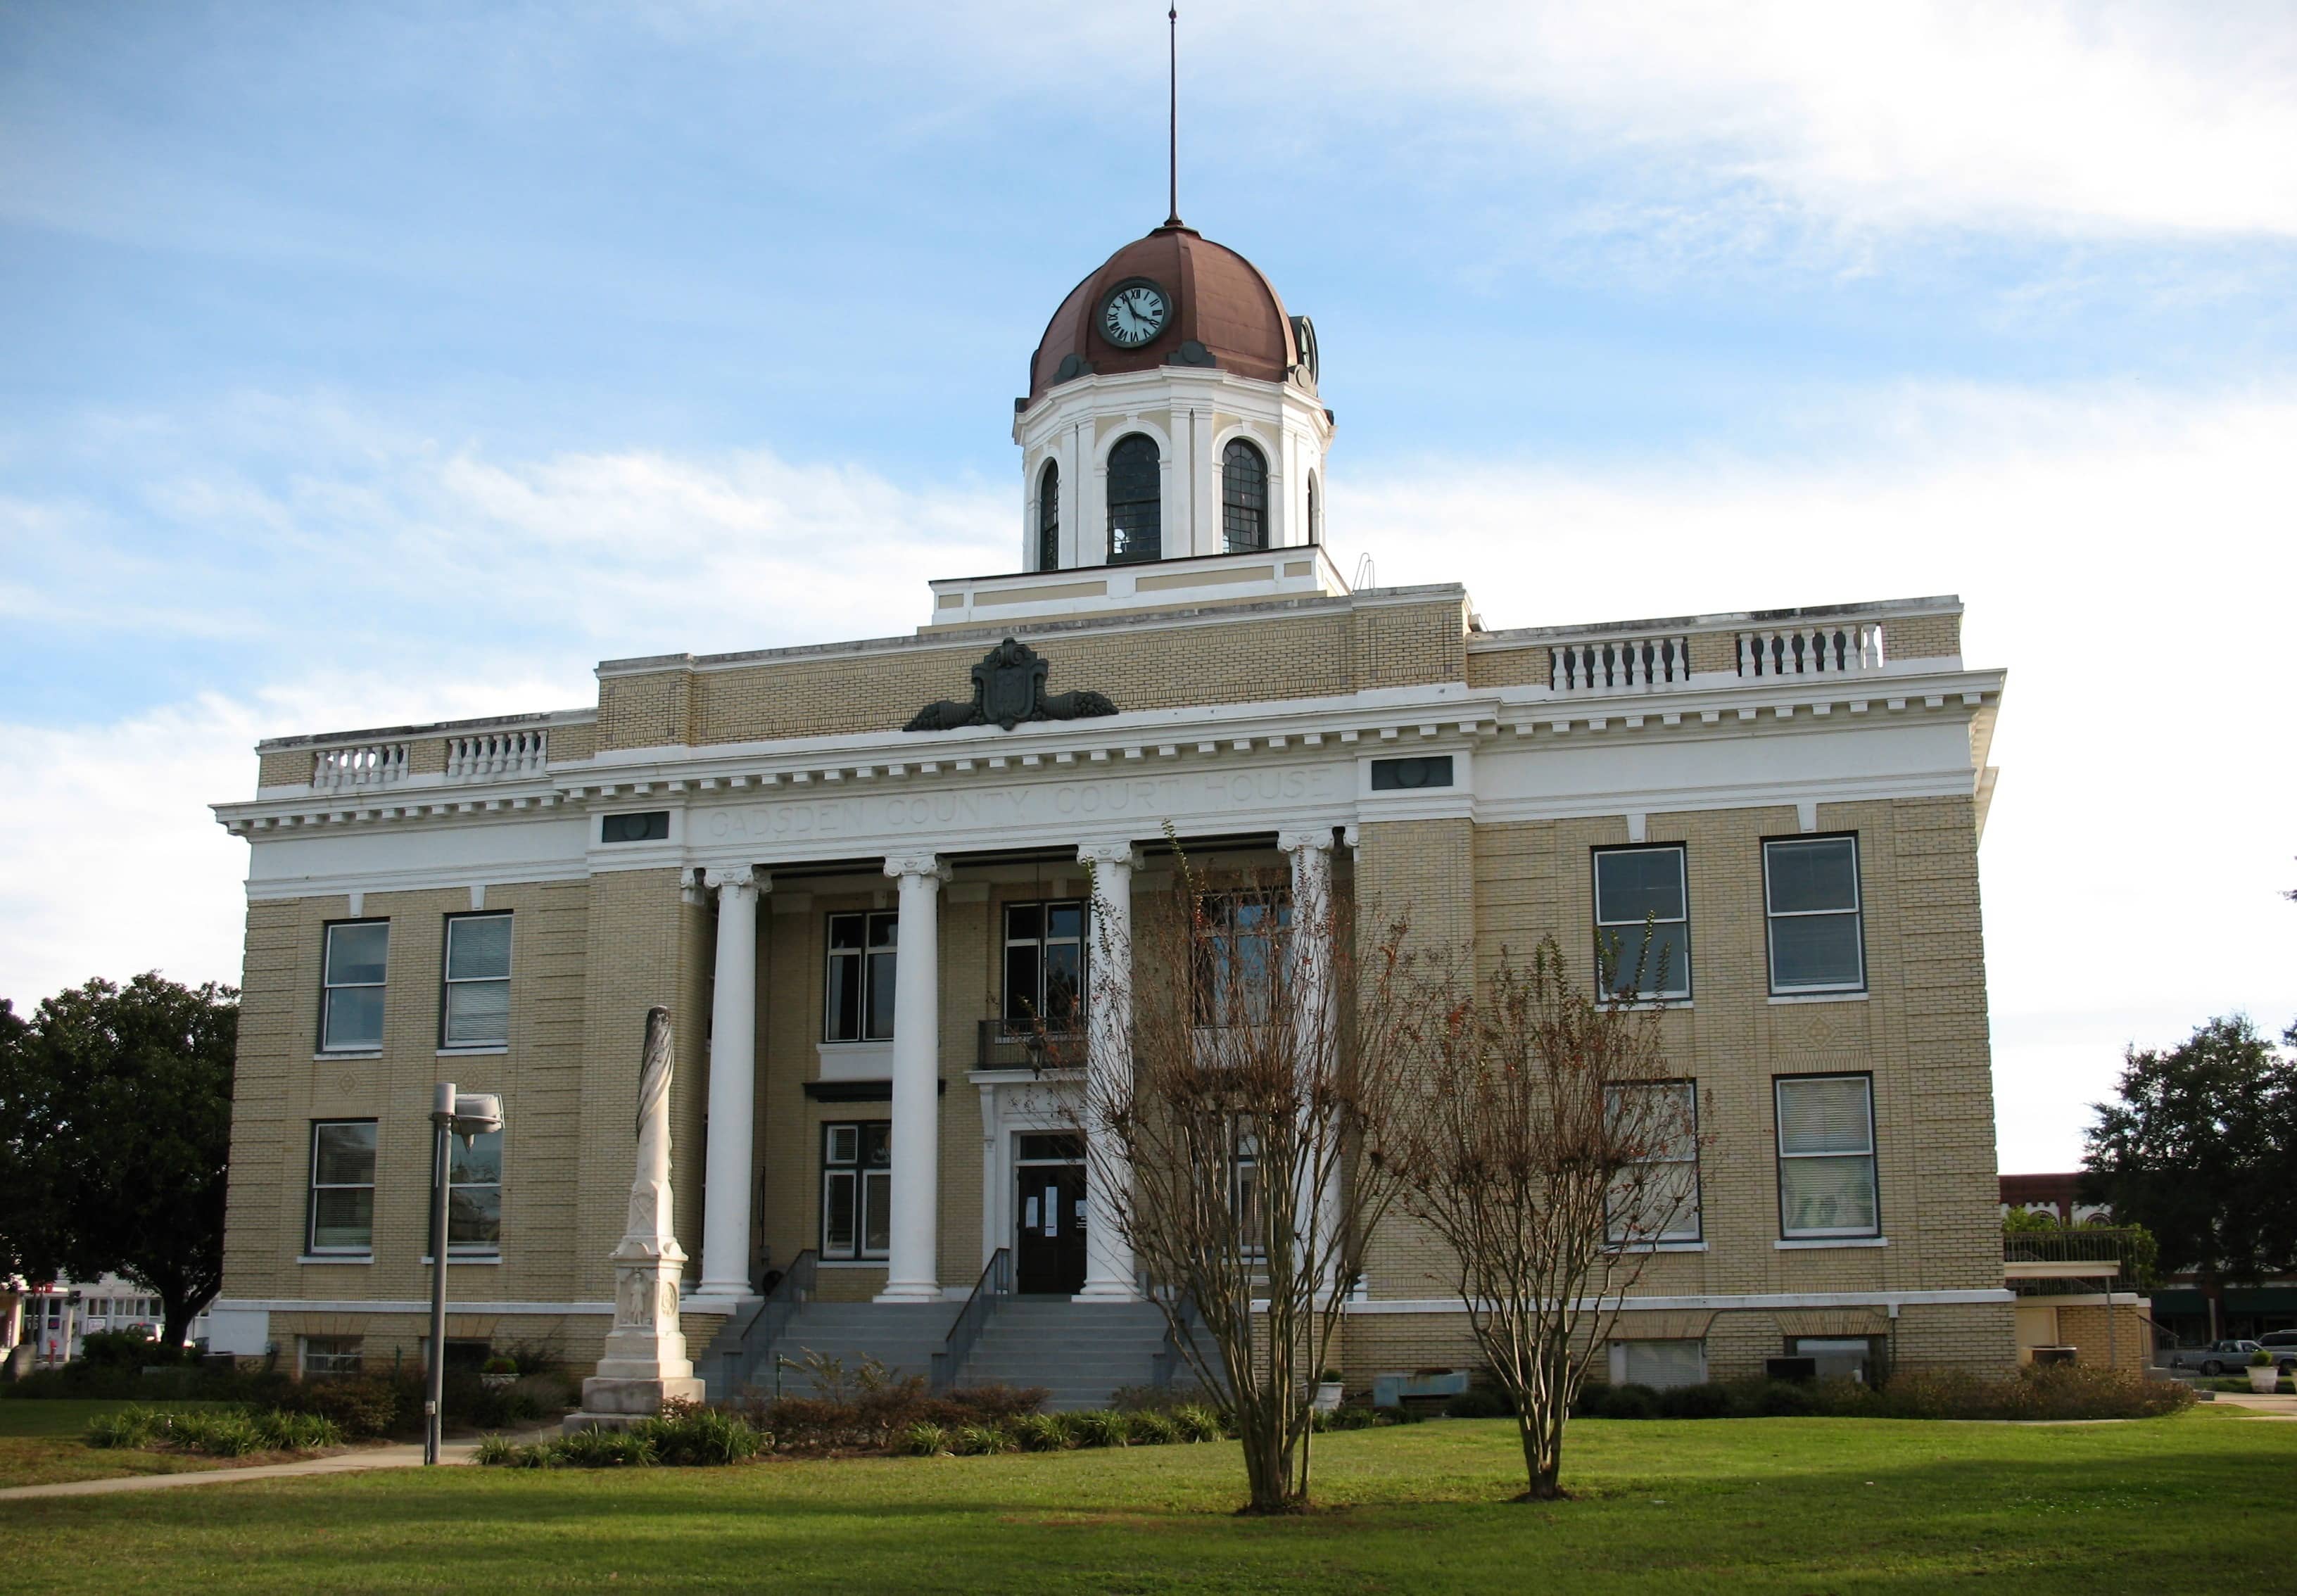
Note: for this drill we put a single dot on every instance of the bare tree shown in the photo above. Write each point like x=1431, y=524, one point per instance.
x=1550, y=1150
x=1265, y=1042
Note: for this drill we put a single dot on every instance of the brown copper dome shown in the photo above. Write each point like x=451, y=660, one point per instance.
x=1223, y=313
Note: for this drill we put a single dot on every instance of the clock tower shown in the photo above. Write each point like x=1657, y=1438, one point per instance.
x=1172, y=414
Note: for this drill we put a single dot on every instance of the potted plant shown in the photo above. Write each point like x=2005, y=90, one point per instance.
x=2263, y=1376
x=1327, y=1391
x=497, y=1371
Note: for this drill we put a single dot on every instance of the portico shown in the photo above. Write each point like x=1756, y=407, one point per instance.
x=927, y=1041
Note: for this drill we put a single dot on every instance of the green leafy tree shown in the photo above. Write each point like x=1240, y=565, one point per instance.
x=2201, y=1149
x=115, y=1128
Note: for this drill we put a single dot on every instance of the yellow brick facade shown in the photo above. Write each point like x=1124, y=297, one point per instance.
x=594, y=948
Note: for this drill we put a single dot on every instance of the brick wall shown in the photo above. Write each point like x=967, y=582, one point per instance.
x=1235, y=660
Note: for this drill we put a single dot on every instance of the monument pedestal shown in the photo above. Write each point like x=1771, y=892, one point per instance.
x=644, y=1364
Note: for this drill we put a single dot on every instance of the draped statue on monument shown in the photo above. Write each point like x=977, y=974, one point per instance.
x=644, y=1364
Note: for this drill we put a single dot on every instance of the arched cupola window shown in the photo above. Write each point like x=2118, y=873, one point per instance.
x=1049, y=517
x=1243, y=498
x=1136, y=494
x=1315, y=512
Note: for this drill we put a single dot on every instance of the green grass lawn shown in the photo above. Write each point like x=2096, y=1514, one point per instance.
x=2204, y=1501
x=40, y=1444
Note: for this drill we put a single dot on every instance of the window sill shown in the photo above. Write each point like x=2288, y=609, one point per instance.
x=335, y=1258
x=1664, y=1246
x=1804, y=1244
x=346, y=1056
x=453, y=1259
x=849, y=1262
x=476, y=1050
x=1858, y=997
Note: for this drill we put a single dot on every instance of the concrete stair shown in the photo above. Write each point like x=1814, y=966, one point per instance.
x=901, y=1335
x=1078, y=1352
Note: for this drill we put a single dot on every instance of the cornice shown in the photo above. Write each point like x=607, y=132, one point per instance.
x=1434, y=718
x=1097, y=392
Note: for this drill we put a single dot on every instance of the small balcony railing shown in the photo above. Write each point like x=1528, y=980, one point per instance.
x=491, y=756
x=1007, y=1045
x=1619, y=664
x=2076, y=1258
x=1812, y=651
x=364, y=765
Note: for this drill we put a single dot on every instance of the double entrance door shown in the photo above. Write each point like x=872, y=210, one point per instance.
x=1048, y=1216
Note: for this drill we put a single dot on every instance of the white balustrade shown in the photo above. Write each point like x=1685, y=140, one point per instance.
x=492, y=755
x=1619, y=664
x=1812, y=651
x=367, y=765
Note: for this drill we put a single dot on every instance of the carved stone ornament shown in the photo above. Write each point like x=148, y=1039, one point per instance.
x=1008, y=688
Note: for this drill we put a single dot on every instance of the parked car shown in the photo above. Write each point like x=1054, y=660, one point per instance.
x=2283, y=1346
x=2219, y=1357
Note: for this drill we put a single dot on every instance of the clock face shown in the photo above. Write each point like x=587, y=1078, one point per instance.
x=1134, y=314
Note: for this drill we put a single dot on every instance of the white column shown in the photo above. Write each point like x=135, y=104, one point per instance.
x=1109, y=1274
x=913, y=1261
x=733, y=1085
x=1204, y=490
x=1315, y=1025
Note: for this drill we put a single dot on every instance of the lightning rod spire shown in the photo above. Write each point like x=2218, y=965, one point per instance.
x=1172, y=150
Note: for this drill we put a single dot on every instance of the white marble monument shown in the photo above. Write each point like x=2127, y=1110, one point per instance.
x=644, y=1364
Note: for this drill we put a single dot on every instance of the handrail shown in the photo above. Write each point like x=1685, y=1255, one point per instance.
x=772, y=1317
x=996, y=1281
x=1167, y=1366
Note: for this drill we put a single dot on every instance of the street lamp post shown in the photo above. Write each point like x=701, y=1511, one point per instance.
x=469, y=1115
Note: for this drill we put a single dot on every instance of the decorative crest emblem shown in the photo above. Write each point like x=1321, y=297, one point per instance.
x=1008, y=688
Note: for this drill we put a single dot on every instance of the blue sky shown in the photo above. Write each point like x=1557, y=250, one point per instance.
x=398, y=361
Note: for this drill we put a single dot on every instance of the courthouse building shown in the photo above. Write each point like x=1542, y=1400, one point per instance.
x=850, y=871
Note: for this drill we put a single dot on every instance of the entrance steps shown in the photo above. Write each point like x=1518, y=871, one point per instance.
x=1080, y=1353
x=904, y=1337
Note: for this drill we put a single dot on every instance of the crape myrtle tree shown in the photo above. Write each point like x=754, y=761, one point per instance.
x=115, y=1127
x=1265, y=1042
x=1549, y=1149
x=2199, y=1148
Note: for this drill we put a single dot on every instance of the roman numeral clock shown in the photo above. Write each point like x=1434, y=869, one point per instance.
x=1134, y=313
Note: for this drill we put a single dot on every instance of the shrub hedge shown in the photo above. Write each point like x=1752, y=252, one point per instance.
x=216, y=1432
x=2065, y=1391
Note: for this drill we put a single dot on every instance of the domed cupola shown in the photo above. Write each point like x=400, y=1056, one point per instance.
x=1172, y=414
x=1175, y=298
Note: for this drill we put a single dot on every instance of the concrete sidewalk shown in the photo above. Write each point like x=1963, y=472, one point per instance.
x=409, y=1456
x=2267, y=1407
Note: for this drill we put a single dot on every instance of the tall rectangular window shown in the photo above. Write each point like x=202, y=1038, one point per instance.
x=857, y=1005
x=341, y=1206
x=1826, y=1156
x=1634, y=888
x=351, y=1007
x=1044, y=964
x=474, y=1007
x=1810, y=891
x=857, y=1189
x=1657, y=1200
x=1246, y=1195
x=1244, y=936
x=474, y=1195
